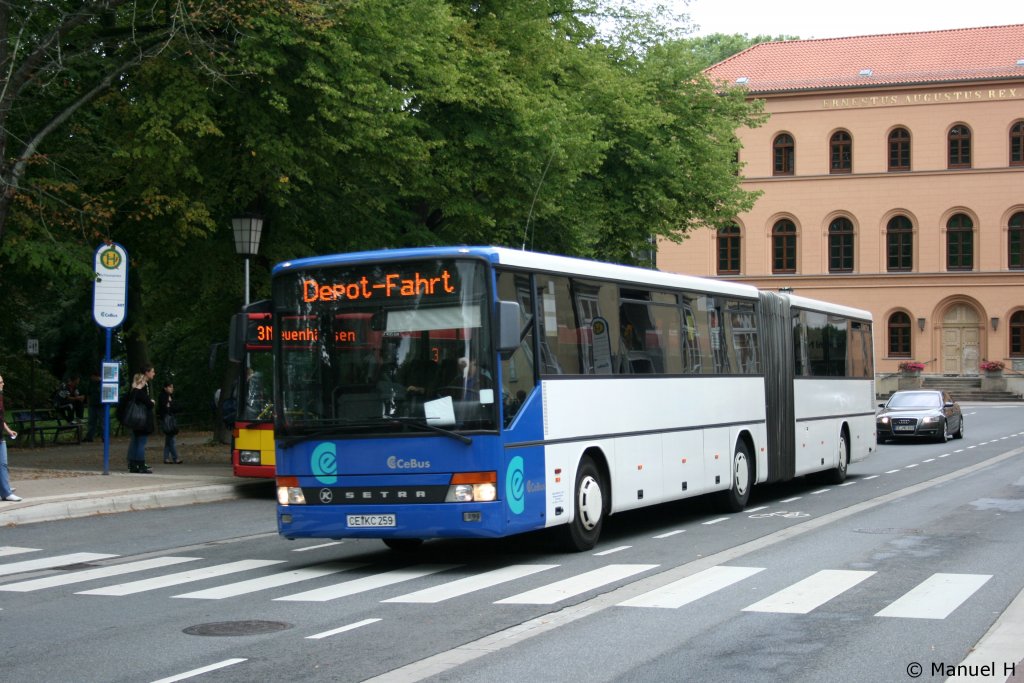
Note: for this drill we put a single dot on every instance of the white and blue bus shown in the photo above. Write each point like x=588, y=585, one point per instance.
x=485, y=392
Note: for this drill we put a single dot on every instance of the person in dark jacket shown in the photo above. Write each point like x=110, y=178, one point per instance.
x=6, y=492
x=137, y=446
x=165, y=407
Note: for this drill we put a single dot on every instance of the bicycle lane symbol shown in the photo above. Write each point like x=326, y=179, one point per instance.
x=780, y=513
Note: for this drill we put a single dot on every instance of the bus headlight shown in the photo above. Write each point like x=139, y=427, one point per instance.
x=249, y=457
x=289, y=492
x=473, y=487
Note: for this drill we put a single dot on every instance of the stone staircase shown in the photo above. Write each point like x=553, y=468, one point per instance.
x=966, y=389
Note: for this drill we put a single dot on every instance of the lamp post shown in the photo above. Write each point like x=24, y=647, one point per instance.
x=247, y=229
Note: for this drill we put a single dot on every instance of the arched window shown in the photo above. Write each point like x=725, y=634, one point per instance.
x=899, y=149
x=729, y=250
x=840, y=246
x=840, y=153
x=899, y=244
x=959, y=146
x=784, y=247
x=1017, y=144
x=784, y=155
x=899, y=335
x=1015, y=247
x=960, y=243
x=1017, y=334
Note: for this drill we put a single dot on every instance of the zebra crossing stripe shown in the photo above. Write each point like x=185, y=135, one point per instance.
x=7, y=550
x=272, y=581
x=50, y=562
x=180, y=578
x=469, y=584
x=366, y=583
x=687, y=590
x=810, y=593
x=90, y=574
x=581, y=583
x=936, y=597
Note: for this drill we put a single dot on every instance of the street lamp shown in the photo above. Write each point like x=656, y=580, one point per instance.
x=247, y=229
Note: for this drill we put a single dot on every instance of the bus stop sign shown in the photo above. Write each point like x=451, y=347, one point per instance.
x=110, y=294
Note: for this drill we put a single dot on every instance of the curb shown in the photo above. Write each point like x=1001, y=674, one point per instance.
x=85, y=507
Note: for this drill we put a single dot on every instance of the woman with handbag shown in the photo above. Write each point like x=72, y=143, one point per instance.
x=165, y=410
x=139, y=418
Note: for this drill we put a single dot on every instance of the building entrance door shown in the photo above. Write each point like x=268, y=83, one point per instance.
x=961, y=334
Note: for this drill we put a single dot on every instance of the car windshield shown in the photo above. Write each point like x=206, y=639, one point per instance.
x=916, y=399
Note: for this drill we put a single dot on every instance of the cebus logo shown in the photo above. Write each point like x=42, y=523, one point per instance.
x=324, y=463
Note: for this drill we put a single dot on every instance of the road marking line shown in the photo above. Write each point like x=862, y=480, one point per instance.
x=317, y=547
x=51, y=562
x=892, y=471
x=692, y=588
x=133, y=587
x=7, y=550
x=873, y=476
x=469, y=584
x=367, y=583
x=936, y=597
x=945, y=455
x=715, y=521
x=909, y=467
x=849, y=483
x=763, y=507
x=814, y=493
x=97, y=573
x=581, y=583
x=336, y=631
x=202, y=670
x=272, y=581
x=814, y=591
x=790, y=500
x=612, y=550
x=929, y=460
x=671, y=533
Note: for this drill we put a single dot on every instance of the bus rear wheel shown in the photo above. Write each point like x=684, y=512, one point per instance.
x=735, y=498
x=837, y=475
x=588, y=501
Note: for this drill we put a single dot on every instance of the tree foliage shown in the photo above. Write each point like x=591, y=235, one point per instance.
x=348, y=125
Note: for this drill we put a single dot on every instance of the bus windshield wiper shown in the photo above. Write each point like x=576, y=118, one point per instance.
x=423, y=424
x=333, y=429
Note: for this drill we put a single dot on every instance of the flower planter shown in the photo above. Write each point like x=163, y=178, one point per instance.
x=993, y=381
x=910, y=380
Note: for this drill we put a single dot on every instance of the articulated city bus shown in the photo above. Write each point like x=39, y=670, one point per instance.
x=494, y=392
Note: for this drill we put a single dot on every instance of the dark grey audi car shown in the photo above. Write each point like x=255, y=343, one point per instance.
x=919, y=413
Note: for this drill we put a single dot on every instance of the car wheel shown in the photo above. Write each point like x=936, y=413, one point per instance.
x=943, y=435
x=959, y=433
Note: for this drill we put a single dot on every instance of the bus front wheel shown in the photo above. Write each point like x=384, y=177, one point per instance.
x=735, y=498
x=588, y=500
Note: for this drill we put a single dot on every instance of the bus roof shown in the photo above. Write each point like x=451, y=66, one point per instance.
x=562, y=265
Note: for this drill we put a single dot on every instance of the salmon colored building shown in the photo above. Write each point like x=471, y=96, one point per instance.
x=891, y=169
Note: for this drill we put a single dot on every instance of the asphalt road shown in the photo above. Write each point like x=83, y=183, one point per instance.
x=908, y=563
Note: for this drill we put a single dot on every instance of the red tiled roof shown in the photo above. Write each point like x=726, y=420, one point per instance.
x=968, y=54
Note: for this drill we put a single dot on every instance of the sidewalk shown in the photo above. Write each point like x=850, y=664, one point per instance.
x=64, y=481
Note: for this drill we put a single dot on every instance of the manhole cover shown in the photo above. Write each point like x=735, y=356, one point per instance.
x=236, y=628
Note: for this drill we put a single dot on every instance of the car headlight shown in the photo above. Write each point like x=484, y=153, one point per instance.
x=884, y=419
x=249, y=457
x=930, y=419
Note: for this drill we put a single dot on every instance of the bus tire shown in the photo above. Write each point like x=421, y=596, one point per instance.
x=589, y=509
x=735, y=498
x=837, y=475
x=403, y=545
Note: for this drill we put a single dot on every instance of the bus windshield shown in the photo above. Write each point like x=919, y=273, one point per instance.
x=385, y=348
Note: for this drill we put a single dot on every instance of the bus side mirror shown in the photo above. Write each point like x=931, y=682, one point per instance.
x=236, y=337
x=508, y=327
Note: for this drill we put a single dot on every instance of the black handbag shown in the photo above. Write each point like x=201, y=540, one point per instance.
x=135, y=416
x=169, y=424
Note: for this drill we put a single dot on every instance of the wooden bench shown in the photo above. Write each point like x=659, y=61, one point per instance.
x=36, y=425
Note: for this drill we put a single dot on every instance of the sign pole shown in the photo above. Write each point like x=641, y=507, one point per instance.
x=109, y=309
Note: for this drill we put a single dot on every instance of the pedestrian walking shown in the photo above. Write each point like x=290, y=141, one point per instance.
x=139, y=396
x=6, y=492
x=165, y=413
